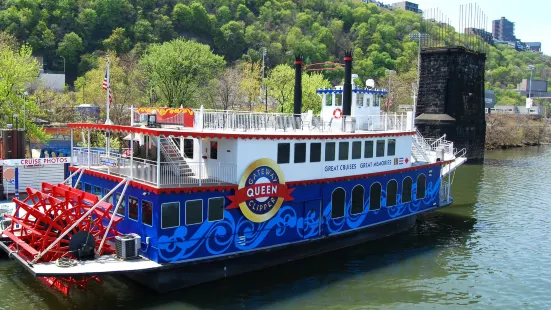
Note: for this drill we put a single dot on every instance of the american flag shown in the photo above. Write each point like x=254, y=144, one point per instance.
x=107, y=83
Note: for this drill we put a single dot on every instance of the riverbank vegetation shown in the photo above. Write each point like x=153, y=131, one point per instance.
x=505, y=131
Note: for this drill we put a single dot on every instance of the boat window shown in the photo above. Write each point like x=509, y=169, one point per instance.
x=329, y=151
x=356, y=149
x=391, y=193
x=359, y=100
x=133, y=208
x=338, y=100
x=78, y=185
x=368, y=150
x=147, y=213
x=170, y=215
x=337, y=203
x=188, y=148
x=368, y=102
x=283, y=153
x=315, y=152
x=375, y=197
x=380, y=148
x=213, y=149
x=97, y=191
x=194, y=212
x=391, y=147
x=376, y=100
x=216, y=209
x=328, y=101
x=343, y=150
x=357, y=199
x=406, y=190
x=421, y=186
x=122, y=206
x=300, y=152
x=88, y=188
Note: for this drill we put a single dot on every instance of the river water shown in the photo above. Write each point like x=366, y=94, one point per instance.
x=490, y=250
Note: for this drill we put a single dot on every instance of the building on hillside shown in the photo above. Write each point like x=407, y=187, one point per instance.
x=52, y=80
x=516, y=110
x=538, y=90
x=485, y=35
x=407, y=6
x=534, y=46
x=504, y=30
x=378, y=3
x=489, y=99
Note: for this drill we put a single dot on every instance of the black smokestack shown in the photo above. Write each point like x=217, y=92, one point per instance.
x=299, y=60
x=347, y=87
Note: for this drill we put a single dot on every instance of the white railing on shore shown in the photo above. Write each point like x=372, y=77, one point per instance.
x=255, y=121
x=144, y=170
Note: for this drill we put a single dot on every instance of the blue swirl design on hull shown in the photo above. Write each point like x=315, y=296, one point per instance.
x=232, y=235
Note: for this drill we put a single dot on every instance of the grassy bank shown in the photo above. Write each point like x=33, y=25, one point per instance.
x=506, y=131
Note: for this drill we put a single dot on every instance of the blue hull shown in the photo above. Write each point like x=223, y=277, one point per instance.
x=324, y=215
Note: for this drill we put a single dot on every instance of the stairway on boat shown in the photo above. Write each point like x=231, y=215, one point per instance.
x=171, y=155
x=433, y=150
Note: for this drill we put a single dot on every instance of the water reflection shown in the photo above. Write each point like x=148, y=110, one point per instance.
x=490, y=249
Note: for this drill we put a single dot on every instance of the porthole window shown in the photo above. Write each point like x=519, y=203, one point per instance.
x=421, y=186
x=357, y=199
x=375, y=197
x=391, y=193
x=406, y=189
x=338, y=199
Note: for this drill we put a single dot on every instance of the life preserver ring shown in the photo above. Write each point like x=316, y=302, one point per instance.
x=337, y=113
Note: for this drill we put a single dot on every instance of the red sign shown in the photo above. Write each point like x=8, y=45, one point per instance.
x=260, y=191
x=171, y=115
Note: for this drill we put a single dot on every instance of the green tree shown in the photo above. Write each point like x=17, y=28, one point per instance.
x=175, y=70
x=182, y=17
x=71, y=47
x=118, y=41
x=18, y=69
x=231, y=40
x=281, y=83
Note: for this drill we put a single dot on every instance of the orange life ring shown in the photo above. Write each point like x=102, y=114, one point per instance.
x=337, y=113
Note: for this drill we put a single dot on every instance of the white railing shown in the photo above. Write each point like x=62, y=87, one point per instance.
x=144, y=170
x=254, y=121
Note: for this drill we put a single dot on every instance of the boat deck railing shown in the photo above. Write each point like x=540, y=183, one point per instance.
x=161, y=174
x=247, y=121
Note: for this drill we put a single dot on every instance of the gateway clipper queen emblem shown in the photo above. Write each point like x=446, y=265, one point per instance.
x=261, y=191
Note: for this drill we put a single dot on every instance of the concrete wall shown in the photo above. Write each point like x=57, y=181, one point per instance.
x=452, y=83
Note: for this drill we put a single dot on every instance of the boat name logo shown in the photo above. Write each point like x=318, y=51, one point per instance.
x=261, y=191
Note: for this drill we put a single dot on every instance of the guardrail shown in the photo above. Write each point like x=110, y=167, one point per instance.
x=253, y=121
x=145, y=170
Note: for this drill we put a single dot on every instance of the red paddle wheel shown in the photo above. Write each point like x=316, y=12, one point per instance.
x=44, y=216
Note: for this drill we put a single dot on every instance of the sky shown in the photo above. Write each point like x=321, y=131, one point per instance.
x=532, y=18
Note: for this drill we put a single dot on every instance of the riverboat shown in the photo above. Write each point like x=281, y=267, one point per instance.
x=200, y=195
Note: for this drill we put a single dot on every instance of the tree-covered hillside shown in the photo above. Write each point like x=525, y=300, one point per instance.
x=76, y=31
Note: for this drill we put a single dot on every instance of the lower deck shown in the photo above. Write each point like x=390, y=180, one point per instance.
x=189, y=224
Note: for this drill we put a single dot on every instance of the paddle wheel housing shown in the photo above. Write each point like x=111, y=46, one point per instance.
x=46, y=215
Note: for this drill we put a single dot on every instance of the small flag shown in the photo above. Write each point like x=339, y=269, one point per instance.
x=395, y=161
x=106, y=85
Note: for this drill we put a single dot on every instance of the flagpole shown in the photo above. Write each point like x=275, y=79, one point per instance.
x=108, y=93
